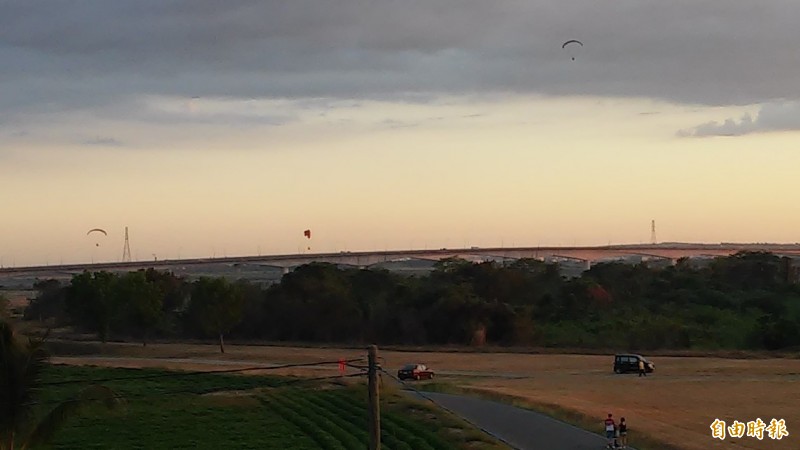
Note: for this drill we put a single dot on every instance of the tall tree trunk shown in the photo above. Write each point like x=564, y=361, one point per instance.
x=221, y=344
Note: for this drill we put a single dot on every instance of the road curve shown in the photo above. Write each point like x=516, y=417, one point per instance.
x=519, y=428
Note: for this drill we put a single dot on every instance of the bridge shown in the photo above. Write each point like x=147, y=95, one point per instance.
x=271, y=267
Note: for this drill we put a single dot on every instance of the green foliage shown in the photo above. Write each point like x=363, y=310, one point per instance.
x=22, y=365
x=49, y=303
x=91, y=302
x=168, y=410
x=137, y=304
x=216, y=306
x=745, y=301
x=175, y=292
x=141, y=302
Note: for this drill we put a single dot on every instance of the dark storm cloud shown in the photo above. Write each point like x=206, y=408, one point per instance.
x=101, y=56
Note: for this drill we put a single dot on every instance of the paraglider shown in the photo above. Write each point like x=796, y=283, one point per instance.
x=307, y=234
x=97, y=230
x=571, y=42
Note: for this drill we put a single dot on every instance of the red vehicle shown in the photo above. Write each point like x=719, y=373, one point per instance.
x=415, y=372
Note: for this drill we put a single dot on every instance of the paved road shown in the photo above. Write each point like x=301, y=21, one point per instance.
x=517, y=427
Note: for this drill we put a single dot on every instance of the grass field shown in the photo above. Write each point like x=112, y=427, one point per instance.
x=672, y=409
x=174, y=410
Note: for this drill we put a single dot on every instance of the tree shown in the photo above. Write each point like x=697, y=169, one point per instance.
x=315, y=303
x=175, y=291
x=253, y=311
x=91, y=303
x=142, y=301
x=21, y=367
x=216, y=307
x=48, y=303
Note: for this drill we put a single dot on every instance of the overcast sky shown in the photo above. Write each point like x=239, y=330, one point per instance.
x=170, y=108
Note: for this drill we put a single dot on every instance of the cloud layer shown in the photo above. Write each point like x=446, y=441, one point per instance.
x=104, y=56
x=783, y=116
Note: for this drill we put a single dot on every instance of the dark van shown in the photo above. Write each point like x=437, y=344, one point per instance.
x=630, y=363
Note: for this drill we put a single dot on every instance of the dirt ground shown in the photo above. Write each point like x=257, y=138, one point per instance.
x=676, y=404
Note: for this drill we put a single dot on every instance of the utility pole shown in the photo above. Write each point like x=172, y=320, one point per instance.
x=374, y=401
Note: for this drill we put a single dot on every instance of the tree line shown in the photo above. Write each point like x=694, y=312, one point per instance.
x=746, y=301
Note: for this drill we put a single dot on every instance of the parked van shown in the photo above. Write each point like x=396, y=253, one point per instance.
x=630, y=363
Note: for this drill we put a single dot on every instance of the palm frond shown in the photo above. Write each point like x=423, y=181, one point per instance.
x=21, y=366
x=55, y=419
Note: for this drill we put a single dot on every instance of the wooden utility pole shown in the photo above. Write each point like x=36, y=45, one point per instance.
x=374, y=401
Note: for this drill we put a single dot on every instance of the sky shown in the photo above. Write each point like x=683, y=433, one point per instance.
x=214, y=128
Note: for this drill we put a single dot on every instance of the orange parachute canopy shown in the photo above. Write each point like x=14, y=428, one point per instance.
x=307, y=234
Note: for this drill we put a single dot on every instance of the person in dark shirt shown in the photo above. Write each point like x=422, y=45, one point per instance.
x=623, y=433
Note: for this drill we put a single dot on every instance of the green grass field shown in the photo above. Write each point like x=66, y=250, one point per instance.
x=219, y=411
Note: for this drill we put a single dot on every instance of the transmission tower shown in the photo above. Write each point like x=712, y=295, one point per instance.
x=126, y=250
x=653, y=232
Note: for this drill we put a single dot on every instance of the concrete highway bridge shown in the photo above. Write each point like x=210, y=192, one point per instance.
x=270, y=268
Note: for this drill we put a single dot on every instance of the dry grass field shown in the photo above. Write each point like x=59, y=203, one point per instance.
x=675, y=405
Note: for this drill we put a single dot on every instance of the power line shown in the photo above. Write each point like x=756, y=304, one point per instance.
x=201, y=372
x=195, y=392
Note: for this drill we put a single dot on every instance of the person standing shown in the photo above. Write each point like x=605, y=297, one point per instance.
x=641, y=368
x=623, y=433
x=611, y=428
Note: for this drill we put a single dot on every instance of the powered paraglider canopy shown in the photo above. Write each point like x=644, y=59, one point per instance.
x=572, y=43
x=98, y=231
